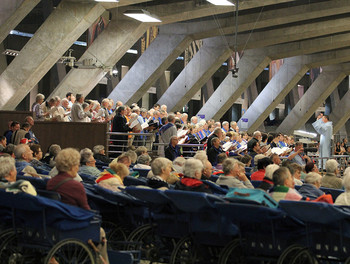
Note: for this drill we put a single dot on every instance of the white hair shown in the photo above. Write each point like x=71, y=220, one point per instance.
x=159, y=164
x=201, y=155
x=312, y=178
x=85, y=154
x=96, y=149
x=180, y=161
x=191, y=167
x=331, y=165
x=346, y=179
x=7, y=164
x=224, y=123
x=20, y=150
x=256, y=133
x=270, y=169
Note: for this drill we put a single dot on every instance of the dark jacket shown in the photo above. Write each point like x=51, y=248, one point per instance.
x=213, y=153
x=172, y=152
x=209, y=141
x=102, y=158
x=119, y=124
x=266, y=184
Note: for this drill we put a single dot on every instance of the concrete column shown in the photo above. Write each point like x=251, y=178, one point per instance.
x=149, y=67
x=317, y=93
x=64, y=26
x=341, y=113
x=3, y=60
x=197, y=72
x=292, y=70
x=12, y=13
x=106, y=50
x=250, y=66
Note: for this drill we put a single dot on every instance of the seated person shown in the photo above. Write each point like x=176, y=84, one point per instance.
x=311, y=187
x=220, y=159
x=50, y=156
x=141, y=150
x=267, y=182
x=234, y=175
x=178, y=164
x=10, y=149
x=3, y=143
x=207, y=170
x=330, y=179
x=311, y=167
x=100, y=155
x=297, y=174
x=37, y=156
x=133, y=157
x=275, y=158
x=8, y=174
x=113, y=177
x=214, y=151
x=260, y=173
x=191, y=181
x=283, y=188
x=246, y=160
x=143, y=162
x=71, y=191
x=125, y=159
x=344, y=198
x=172, y=151
x=24, y=155
x=88, y=163
x=161, y=169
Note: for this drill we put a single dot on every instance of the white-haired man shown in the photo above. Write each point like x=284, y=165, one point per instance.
x=330, y=179
x=234, y=175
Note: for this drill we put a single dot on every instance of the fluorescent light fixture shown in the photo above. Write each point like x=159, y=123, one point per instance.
x=221, y=2
x=132, y=51
x=109, y=1
x=142, y=15
x=10, y=52
x=303, y=133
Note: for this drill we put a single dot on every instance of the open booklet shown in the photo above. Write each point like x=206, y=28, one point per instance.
x=228, y=145
x=280, y=151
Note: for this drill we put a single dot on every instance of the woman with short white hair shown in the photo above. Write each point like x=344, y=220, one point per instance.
x=330, y=179
x=143, y=162
x=39, y=114
x=191, y=181
x=161, y=169
x=344, y=198
x=311, y=186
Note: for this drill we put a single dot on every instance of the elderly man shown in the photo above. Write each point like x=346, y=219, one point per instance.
x=207, y=170
x=324, y=127
x=284, y=186
x=30, y=120
x=214, y=151
x=18, y=135
x=330, y=179
x=298, y=156
x=275, y=158
x=225, y=126
x=183, y=118
x=256, y=138
x=217, y=133
x=78, y=114
x=191, y=181
x=172, y=151
x=234, y=175
x=88, y=163
x=24, y=155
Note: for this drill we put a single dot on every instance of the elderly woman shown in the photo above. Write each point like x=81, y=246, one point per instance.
x=49, y=158
x=191, y=181
x=88, y=163
x=330, y=179
x=311, y=186
x=100, y=154
x=39, y=114
x=344, y=198
x=161, y=169
x=143, y=162
x=113, y=177
x=71, y=191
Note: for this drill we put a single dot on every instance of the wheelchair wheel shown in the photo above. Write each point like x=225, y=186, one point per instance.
x=184, y=252
x=9, y=250
x=232, y=253
x=71, y=251
x=304, y=256
x=288, y=254
x=114, y=234
x=134, y=235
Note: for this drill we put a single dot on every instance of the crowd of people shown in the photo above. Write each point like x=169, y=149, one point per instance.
x=274, y=162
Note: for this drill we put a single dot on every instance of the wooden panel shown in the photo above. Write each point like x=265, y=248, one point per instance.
x=69, y=134
x=6, y=116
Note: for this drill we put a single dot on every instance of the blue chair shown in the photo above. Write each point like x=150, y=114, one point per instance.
x=256, y=184
x=129, y=181
x=36, y=182
x=334, y=192
x=142, y=172
x=216, y=189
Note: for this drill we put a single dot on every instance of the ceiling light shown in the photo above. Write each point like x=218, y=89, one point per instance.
x=221, y=2
x=142, y=15
x=110, y=1
x=10, y=52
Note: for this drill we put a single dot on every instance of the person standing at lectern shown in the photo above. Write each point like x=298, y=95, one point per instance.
x=324, y=127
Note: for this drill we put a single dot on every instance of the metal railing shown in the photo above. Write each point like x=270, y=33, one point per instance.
x=119, y=142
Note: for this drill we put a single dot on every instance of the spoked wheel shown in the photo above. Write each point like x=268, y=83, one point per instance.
x=304, y=256
x=70, y=251
x=233, y=254
x=288, y=254
x=347, y=261
x=184, y=252
x=114, y=234
x=10, y=251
